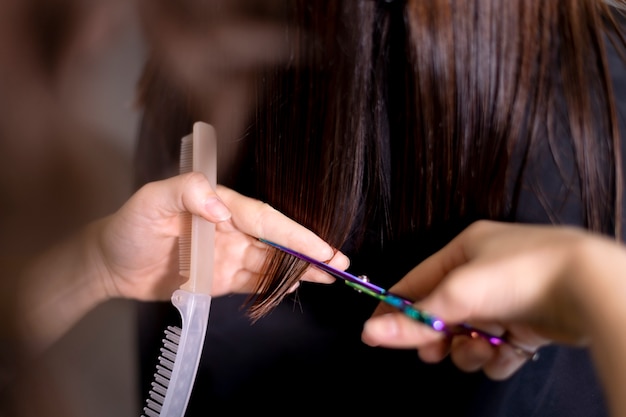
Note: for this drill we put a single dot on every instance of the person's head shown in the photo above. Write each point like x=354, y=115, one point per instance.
x=376, y=121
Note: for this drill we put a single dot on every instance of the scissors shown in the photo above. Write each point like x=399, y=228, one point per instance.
x=363, y=285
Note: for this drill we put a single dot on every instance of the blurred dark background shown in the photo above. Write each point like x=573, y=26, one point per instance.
x=68, y=73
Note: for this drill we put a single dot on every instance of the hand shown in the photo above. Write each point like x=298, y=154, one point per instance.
x=138, y=245
x=503, y=278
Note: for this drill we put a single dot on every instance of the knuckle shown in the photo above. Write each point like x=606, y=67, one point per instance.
x=194, y=178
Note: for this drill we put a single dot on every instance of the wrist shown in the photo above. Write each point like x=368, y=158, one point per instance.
x=101, y=279
x=599, y=280
x=601, y=288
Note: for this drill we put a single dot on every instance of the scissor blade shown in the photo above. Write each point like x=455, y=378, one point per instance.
x=337, y=273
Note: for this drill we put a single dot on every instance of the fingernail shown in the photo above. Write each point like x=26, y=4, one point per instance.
x=216, y=208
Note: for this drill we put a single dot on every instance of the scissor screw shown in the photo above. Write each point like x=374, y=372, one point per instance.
x=363, y=278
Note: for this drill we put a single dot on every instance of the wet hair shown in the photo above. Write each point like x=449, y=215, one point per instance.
x=390, y=119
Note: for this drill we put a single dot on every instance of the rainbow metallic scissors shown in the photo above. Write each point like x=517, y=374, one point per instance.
x=362, y=284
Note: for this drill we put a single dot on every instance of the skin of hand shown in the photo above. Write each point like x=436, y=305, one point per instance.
x=519, y=280
x=133, y=253
x=138, y=245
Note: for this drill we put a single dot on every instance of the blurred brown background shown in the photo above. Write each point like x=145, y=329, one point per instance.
x=68, y=71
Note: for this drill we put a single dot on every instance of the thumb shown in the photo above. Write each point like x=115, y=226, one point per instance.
x=192, y=193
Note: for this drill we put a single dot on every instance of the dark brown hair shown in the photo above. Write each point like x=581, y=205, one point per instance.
x=390, y=119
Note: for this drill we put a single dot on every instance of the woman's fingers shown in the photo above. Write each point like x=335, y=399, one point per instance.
x=396, y=330
x=504, y=363
x=470, y=354
x=240, y=255
x=237, y=260
x=261, y=220
x=189, y=192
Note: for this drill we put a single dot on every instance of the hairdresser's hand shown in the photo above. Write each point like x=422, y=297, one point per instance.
x=138, y=245
x=506, y=279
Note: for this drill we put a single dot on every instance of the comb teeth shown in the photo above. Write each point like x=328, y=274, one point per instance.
x=184, y=246
x=156, y=396
x=184, y=240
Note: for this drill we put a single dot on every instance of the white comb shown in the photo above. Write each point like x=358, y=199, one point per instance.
x=182, y=347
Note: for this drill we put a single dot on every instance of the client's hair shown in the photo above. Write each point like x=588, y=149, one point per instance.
x=391, y=118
